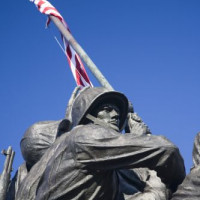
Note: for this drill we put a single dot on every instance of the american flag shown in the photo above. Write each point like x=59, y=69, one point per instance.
x=75, y=63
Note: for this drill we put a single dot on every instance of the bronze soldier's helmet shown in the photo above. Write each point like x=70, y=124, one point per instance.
x=91, y=98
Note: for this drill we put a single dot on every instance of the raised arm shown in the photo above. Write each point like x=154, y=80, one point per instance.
x=103, y=149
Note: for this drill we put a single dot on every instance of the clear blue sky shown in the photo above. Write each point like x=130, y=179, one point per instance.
x=149, y=50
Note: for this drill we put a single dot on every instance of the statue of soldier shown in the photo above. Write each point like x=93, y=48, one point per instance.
x=86, y=163
x=36, y=140
x=190, y=188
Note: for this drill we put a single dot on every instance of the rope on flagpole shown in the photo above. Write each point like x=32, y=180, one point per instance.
x=63, y=50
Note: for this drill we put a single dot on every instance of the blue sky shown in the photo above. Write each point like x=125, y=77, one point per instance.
x=149, y=50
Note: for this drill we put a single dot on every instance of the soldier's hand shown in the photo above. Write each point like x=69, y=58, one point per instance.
x=136, y=125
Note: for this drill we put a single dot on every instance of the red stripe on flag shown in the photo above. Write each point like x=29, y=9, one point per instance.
x=40, y=3
x=78, y=78
x=69, y=53
x=54, y=14
x=50, y=8
x=80, y=69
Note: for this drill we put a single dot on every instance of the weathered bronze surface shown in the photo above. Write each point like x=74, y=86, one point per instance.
x=5, y=176
x=94, y=160
x=190, y=188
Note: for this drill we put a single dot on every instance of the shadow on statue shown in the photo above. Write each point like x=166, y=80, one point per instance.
x=85, y=156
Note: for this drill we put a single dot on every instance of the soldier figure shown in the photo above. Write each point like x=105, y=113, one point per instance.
x=92, y=161
x=190, y=188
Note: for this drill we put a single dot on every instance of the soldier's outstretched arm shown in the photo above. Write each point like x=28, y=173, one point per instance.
x=102, y=149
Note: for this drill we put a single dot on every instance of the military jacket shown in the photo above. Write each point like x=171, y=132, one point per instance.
x=84, y=164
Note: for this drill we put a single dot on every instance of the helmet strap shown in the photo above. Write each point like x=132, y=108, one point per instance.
x=98, y=121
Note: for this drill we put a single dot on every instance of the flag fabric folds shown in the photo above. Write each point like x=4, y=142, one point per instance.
x=75, y=63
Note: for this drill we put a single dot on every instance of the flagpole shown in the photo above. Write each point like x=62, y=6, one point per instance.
x=93, y=68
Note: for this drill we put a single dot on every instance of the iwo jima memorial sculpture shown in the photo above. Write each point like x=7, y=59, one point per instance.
x=85, y=156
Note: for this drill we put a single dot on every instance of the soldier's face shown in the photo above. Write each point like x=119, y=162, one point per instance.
x=109, y=114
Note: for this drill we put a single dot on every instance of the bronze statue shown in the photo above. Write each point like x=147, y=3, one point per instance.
x=95, y=161
x=190, y=188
